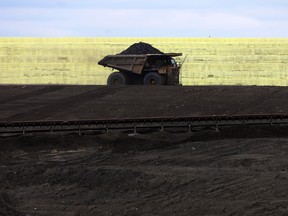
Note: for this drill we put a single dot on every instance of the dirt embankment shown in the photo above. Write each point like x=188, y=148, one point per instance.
x=237, y=171
x=92, y=102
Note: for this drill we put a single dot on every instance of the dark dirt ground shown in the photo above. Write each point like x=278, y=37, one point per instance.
x=99, y=102
x=240, y=170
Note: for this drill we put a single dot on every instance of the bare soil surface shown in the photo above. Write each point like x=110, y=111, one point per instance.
x=100, y=102
x=240, y=170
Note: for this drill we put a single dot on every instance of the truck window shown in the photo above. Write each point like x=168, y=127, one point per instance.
x=173, y=62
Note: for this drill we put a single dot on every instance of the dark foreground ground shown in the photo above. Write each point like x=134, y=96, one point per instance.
x=90, y=102
x=239, y=170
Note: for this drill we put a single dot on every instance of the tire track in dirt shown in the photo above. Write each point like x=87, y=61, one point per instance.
x=62, y=105
x=43, y=90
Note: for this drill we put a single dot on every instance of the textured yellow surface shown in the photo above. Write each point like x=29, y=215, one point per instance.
x=210, y=61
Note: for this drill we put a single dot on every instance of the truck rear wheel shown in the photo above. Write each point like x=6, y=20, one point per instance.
x=153, y=78
x=117, y=78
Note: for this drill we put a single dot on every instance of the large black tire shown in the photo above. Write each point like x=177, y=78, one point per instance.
x=153, y=78
x=117, y=78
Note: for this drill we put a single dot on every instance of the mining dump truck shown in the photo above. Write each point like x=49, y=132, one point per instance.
x=142, y=68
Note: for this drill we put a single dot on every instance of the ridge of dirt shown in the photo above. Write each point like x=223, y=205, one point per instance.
x=36, y=92
x=61, y=105
x=100, y=102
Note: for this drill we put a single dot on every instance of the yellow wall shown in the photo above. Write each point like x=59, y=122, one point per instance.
x=210, y=61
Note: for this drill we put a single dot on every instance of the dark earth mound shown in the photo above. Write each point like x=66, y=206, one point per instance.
x=239, y=170
x=234, y=171
x=141, y=48
x=29, y=103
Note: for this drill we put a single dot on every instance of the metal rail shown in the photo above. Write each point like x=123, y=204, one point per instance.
x=134, y=124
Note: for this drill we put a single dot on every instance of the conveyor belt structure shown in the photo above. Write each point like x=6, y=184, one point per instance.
x=136, y=124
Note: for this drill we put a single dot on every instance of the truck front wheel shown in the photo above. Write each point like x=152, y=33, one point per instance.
x=153, y=78
x=117, y=78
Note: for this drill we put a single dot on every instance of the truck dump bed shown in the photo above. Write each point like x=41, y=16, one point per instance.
x=131, y=63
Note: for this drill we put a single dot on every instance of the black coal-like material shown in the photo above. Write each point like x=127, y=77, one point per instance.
x=140, y=48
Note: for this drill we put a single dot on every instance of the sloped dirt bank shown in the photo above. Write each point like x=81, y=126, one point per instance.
x=92, y=102
x=236, y=171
